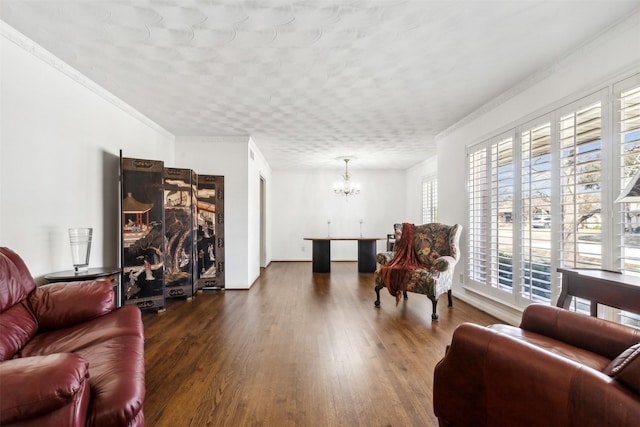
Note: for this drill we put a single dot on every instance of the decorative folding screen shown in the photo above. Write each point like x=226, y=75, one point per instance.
x=142, y=233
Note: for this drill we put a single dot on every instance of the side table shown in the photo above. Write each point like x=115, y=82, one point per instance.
x=111, y=274
x=610, y=288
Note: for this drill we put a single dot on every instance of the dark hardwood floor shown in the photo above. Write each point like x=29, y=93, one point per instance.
x=297, y=349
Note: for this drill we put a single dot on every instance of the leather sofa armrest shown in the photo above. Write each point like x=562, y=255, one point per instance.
x=58, y=305
x=35, y=386
x=597, y=335
x=487, y=378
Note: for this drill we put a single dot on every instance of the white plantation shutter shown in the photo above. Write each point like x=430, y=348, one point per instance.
x=501, y=250
x=478, y=214
x=429, y=200
x=490, y=183
x=630, y=164
x=580, y=186
x=629, y=133
x=535, y=243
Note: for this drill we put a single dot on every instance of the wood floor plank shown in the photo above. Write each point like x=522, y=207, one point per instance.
x=297, y=349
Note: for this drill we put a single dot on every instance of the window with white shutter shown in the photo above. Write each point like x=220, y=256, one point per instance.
x=501, y=213
x=580, y=187
x=629, y=132
x=535, y=242
x=429, y=199
x=540, y=197
x=478, y=214
x=491, y=214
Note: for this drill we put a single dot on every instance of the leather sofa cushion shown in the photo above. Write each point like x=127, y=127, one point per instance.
x=559, y=348
x=83, y=335
x=56, y=305
x=116, y=385
x=113, y=345
x=63, y=385
x=16, y=280
x=591, y=333
x=626, y=368
x=18, y=327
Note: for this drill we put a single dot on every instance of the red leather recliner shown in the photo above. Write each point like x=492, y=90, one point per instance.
x=67, y=356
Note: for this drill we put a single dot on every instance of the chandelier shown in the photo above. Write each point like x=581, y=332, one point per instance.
x=346, y=187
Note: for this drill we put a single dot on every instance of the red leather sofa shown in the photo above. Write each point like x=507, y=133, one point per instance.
x=67, y=356
x=559, y=368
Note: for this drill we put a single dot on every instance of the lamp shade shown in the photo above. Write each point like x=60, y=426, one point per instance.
x=631, y=192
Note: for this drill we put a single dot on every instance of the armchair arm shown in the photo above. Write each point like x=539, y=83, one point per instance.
x=487, y=379
x=443, y=263
x=63, y=304
x=600, y=336
x=36, y=386
x=384, y=257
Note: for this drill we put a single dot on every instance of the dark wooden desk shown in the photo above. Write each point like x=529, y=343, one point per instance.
x=322, y=253
x=600, y=287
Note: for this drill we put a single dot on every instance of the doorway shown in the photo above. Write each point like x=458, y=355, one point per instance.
x=263, y=223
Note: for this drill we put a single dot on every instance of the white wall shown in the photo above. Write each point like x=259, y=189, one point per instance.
x=615, y=53
x=60, y=138
x=303, y=202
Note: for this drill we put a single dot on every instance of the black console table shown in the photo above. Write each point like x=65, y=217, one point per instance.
x=322, y=253
x=600, y=287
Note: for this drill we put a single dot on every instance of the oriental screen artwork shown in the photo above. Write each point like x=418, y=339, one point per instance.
x=142, y=233
x=210, y=226
x=180, y=186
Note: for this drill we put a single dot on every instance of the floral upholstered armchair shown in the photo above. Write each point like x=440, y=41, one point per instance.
x=423, y=261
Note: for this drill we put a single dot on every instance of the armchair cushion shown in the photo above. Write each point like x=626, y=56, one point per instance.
x=58, y=305
x=626, y=368
x=35, y=386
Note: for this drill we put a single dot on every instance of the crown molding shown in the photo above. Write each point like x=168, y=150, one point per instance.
x=47, y=57
x=216, y=139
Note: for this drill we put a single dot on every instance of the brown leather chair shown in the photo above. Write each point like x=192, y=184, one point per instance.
x=67, y=356
x=559, y=368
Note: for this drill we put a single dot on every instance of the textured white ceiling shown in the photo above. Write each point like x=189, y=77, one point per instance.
x=311, y=81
